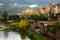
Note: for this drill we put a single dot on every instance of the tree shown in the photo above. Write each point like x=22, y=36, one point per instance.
x=55, y=27
x=34, y=17
x=14, y=26
x=14, y=17
x=23, y=24
x=5, y=15
x=42, y=17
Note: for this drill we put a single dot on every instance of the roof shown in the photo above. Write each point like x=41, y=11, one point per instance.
x=48, y=22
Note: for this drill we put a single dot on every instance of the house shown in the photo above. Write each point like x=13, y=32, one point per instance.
x=27, y=11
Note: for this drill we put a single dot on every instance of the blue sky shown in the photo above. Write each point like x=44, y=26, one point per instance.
x=42, y=1
x=29, y=2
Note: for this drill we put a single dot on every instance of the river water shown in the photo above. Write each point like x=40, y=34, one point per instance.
x=11, y=36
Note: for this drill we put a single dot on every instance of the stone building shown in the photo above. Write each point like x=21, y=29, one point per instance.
x=53, y=8
x=27, y=11
x=47, y=9
x=58, y=7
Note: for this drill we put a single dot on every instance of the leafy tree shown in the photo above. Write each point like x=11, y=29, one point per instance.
x=42, y=17
x=14, y=26
x=23, y=24
x=34, y=17
x=14, y=17
x=5, y=15
x=55, y=27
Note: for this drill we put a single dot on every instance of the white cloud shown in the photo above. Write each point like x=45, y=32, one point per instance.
x=1, y=4
x=15, y=4
x=33, y=5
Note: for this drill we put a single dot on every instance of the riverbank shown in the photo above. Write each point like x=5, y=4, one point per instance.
x=34, y=36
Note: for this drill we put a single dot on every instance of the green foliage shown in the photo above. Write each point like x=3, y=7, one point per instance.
x=23, y=24
x=55, y=27
x=34, y=17
x=14, y=27
x=23, y=34
x=41, y=17
x=52, y=15
x=5, y=15
x=14, y=17
x=34, y=36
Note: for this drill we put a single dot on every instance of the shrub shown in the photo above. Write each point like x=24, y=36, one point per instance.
x=55, y=27
x=23, y=24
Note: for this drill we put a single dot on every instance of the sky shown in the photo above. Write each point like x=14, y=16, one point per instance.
x=31, y=3
x=36, y=3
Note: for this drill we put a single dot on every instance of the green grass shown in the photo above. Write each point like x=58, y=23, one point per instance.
x=34, y=36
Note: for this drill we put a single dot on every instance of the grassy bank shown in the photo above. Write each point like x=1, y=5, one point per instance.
x=34, y=36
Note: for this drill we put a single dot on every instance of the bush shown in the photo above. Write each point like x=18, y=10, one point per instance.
x=34, y=36
x=41, y=17
x=14, y=17
x=23, y=24
x=14, y=27
x=55, y=27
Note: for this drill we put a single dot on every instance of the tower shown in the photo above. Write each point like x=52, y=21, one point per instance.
x=51, y=3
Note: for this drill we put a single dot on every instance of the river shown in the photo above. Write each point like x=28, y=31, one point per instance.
x=11, y=36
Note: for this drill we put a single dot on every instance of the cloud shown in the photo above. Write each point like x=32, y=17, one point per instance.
x=33, y=5
x=15, y=4
x=1, y=4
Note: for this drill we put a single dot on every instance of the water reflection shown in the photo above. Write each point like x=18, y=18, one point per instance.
x=11, y=36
